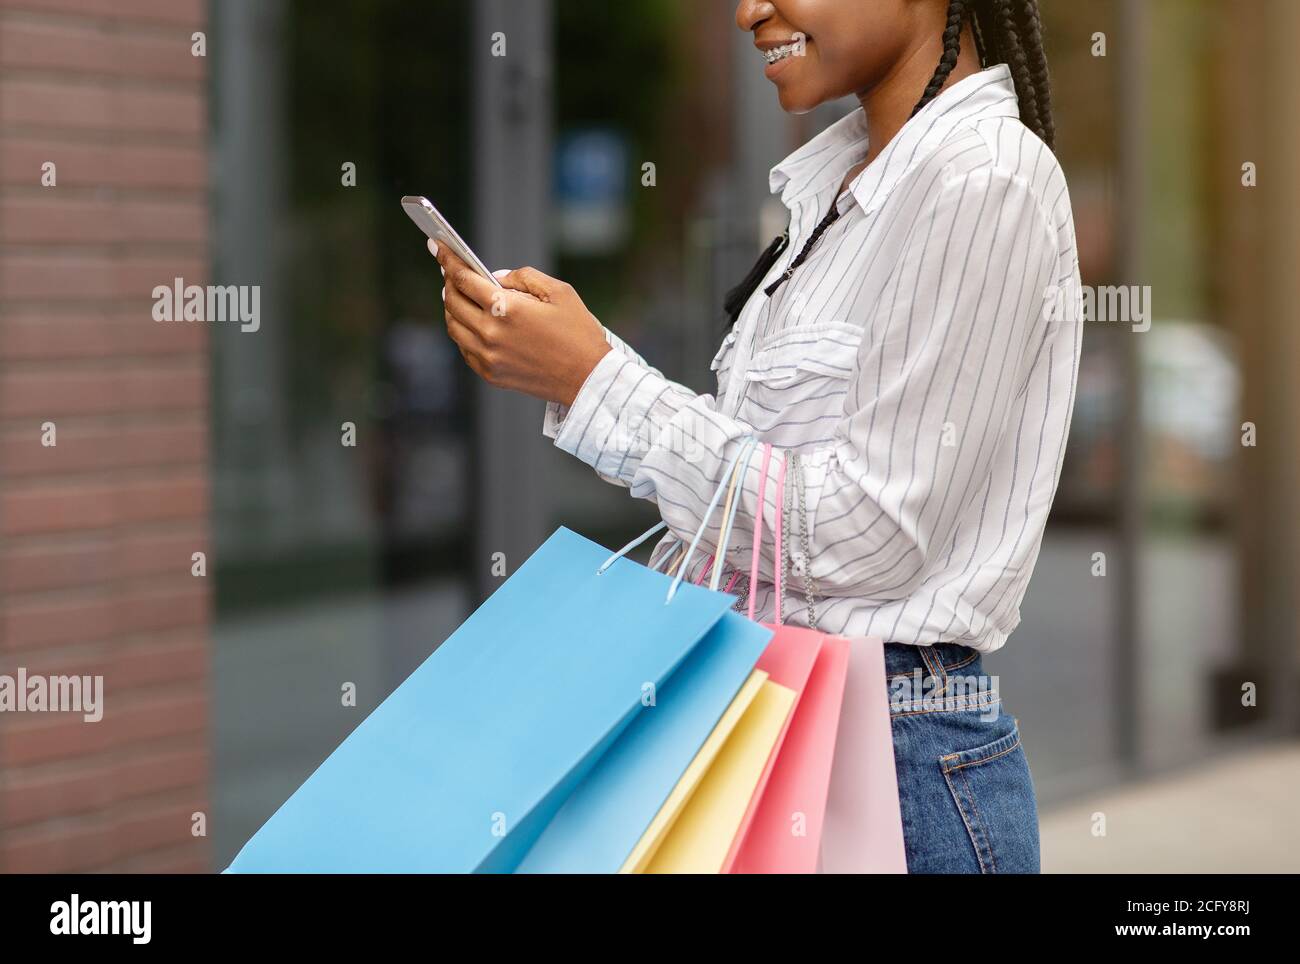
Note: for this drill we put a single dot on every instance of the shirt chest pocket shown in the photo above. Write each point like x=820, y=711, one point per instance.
x=797, y=379
x=721, y=364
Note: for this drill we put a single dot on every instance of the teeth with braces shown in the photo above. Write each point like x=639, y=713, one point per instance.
x=777, y=54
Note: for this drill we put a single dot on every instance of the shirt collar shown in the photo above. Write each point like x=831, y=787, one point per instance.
x=824, y=160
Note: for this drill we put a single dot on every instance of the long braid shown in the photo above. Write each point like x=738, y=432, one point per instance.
x=1030, y=26
x=1013, y=52
x=981, y=43
x=1012, y=33
x=986, y=27
x=1006, y=32
x=951, y=50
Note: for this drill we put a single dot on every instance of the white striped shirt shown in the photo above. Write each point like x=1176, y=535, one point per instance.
x=910, y=362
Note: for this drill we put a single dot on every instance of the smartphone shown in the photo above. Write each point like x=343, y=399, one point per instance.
x=434, y=225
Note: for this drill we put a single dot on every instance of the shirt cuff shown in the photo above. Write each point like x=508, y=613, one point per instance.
x=556, y=413
x=554, y=419
x=600, y=427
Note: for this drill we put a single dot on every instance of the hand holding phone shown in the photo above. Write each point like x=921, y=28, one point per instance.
x=527, y=332
x=435, y=226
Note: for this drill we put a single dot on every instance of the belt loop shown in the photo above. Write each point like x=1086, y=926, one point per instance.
x=934, y=665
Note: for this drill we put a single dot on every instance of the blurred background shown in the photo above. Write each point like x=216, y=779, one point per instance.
x=624, y=147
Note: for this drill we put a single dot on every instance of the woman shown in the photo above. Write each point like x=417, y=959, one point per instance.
x=898, y=343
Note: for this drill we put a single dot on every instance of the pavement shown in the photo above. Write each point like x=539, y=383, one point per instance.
x=1235, y=814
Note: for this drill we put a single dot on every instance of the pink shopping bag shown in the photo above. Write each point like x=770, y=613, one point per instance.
x=829, y=797
x=781, y=829
x=863, y=831
x=788, y=660
x=785, y=833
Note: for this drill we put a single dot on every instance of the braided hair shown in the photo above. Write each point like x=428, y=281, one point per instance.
x=1006, y=32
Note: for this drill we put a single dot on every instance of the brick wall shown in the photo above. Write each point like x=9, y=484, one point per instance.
x=96, y=533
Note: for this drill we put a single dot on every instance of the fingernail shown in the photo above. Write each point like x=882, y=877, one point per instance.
x=433, y=247
x=501, y=272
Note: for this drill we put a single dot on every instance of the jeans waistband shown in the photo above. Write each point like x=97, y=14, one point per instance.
x=937, y=660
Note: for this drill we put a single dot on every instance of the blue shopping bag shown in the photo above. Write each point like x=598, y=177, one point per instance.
x=461, y=768
x=597, y=827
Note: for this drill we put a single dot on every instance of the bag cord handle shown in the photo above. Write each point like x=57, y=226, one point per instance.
x=745, y=447
x=758, y=530
x=729, y=510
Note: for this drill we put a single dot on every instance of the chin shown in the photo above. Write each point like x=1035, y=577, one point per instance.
x=797, y=102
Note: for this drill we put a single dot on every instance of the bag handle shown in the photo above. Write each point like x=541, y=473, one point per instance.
x=630, y=546
x=729, y=509
x=729, y=513
x=779, y=581
x=661, y=564
x=657, y=527
x=758, y=530
x=758, y=525
x=745, y=447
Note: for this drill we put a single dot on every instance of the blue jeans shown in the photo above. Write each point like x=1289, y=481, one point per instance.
x=965, y=792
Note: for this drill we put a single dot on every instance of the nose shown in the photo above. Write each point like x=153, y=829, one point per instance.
x=750, y=13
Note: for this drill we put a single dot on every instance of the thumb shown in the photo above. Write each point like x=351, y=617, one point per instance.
x=536, y=283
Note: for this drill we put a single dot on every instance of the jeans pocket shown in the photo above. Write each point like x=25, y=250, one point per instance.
x=994, y=793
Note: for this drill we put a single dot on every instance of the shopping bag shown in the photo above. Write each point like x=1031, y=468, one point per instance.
x=782, y=829
x=785, y=833
x=681, y=794
x=711, y=809
x=699, y=838
x=848, y=811
x=463, y=765
x=601, y=821
x=788, y=660
x=599, y=824
x=863, y=832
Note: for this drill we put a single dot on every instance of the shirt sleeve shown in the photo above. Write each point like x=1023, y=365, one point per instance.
x=556, y=413
x=967, y=282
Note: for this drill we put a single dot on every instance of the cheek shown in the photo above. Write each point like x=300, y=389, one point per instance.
x=852, y=62
x=857, y=41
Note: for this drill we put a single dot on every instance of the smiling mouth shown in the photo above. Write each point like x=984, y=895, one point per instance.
x=775, y=55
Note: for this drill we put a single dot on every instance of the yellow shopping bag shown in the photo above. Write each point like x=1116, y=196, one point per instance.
x=694, y=830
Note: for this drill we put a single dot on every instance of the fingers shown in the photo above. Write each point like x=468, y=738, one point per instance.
x=466, y=320
x=465, y=337
x=457, y=274
x=489, y=321
x=537, y=284
x=475, y=365
x=464, y=309
x=469, y=325
x=515, y=293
